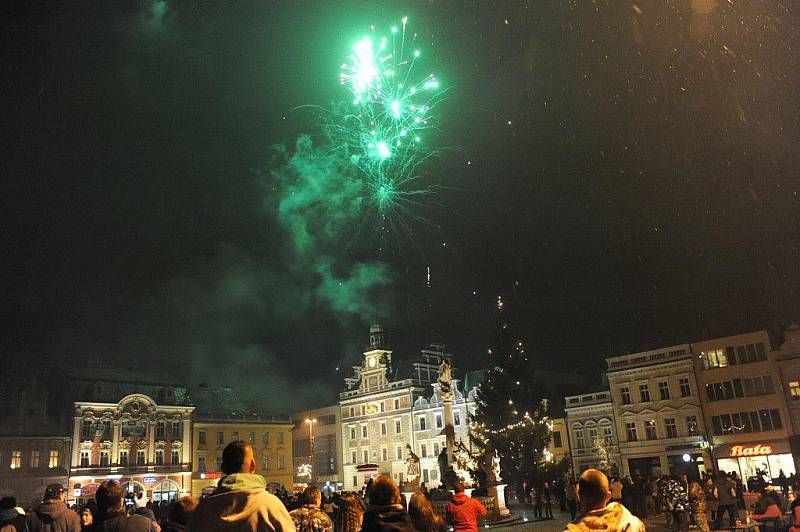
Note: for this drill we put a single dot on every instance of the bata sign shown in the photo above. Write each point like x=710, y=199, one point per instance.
x=755, y=450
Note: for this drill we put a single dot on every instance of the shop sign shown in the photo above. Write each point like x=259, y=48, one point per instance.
x=88, y=491
x=753, y=450
x=210, y=475
x=149, y=480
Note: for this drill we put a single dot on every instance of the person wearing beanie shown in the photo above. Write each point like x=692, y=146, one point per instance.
x=10, y=516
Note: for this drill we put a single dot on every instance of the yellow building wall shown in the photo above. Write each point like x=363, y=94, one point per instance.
x=271, y=442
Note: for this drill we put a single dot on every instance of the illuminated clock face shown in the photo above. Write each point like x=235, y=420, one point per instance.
x=372, y=362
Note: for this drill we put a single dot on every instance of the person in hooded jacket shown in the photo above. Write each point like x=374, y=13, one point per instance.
x=241, y=501
x=53, y=515
x=463, y=511
x=10, y=518
x=385, y=513
x=597, y=514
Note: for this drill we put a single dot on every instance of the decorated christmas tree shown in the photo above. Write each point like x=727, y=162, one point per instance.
x=512, y=416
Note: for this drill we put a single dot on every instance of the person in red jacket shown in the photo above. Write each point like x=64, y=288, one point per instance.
x=463, y=511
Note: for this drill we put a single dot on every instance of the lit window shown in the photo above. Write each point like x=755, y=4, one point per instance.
x=53, y=462
x=220, y=438
x=716, y=359
x=794, y=389
x=34, y=459
x=266, y=462
x=251, y=437
x=691, y=424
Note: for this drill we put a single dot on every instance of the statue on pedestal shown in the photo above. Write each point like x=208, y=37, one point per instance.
x=445, y=377
x=491, y=466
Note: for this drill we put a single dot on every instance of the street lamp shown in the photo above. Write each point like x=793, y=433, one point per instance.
x=311, y=422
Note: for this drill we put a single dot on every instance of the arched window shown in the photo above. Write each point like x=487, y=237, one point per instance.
x=166, y=490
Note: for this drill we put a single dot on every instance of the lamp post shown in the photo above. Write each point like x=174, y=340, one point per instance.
x=311, y=422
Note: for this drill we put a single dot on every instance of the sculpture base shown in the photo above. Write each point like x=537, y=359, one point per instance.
x=497, y=492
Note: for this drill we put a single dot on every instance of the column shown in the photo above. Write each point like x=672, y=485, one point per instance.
x=186, y=443
x=151, y=441
x=76, y=441
x=115, y=437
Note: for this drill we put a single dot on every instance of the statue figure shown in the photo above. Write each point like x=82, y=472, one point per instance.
x=444, y=464
x=445, y=375
x=491, y=466
x=412, y=464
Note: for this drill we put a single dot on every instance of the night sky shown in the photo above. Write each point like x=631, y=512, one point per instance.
x=625, y=175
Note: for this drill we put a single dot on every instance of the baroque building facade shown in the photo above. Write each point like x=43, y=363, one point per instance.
x=387, y=413
x=142, y=442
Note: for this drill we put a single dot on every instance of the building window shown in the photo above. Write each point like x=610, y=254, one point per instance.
x=266, y=462
x=160, y=430
x=423, y=450
x=176, y=430
x=672, y=428
x=53, y=463
x=686, y=391
x=650, y=429
x=384, y=454
x=352, y=433
x=353, y=459
x=608, y=436
x=422, y=423
x=159, y=457
x=363, y=409
x=630, y=431
x=220, y=438
x=644, y=393
x=794, y=389
x=691, y=424
x=352, y=412
x=201, y=437
x=363, y=431
x=438, y=421
x=557, y=439
x=626, y=395
x=123, y=458
x=104, y=458
x=580, y=442
x=86, y=430
x=219, y=463
x=397, y=404
x=201, y=464
x=383, y=406
x=592, y=436
x=16, y=459
x=663, y=390
x=265, y=438
x=84, y=458
x=355, y=481
x=398, y=453
x=251, y=438
x=457, y=417
x=235, y=436
x=280, y=440
x=436, y=448
x=175, y=457
x=365, y=452
x=715, y=359
x=34, y=459
x=280, y=461
x=106, y=430
x=140, y=458
x=397, y=426
x=425, y=476
x=383, y=428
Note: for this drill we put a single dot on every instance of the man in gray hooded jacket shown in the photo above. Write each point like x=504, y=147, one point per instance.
x=53, y=515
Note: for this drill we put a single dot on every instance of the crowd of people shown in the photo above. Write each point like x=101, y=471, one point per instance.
x=241, y=503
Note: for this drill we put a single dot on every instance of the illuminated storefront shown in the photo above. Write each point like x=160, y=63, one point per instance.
x=753, y=459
